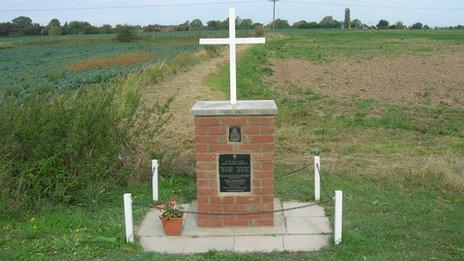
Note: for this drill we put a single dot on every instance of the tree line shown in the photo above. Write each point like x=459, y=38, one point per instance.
x=24, y=26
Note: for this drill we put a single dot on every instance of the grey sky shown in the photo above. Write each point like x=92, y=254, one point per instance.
x=452, y=12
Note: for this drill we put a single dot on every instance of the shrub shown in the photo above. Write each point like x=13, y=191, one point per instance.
x=125, y=33
x=55, y=146
x=259, y=31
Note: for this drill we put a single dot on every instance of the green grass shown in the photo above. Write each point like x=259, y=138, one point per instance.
x=401, y=172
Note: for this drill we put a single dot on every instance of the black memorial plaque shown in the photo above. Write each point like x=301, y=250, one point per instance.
x=234, y=173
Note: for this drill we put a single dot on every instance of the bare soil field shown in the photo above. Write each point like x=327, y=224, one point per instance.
x=435, y=79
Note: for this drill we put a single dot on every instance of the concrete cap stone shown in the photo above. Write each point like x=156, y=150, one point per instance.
x=220, y=108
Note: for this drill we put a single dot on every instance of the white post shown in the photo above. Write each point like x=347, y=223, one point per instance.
x=128, y=221
x=233, y=79
x=154, y=180
x=317, y=178
x=338, y=217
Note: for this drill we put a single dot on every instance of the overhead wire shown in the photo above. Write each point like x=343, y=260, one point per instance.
x=231, y=2
x=373, y=6
x=128, y=6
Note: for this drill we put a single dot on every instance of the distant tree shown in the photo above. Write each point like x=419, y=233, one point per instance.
x=398, y=25
x=54, y=22
x=302, y=24
x=246, y=24
x=224, y=25
x=313, y=25
x=32, y=29
x=426, y=27
x=54, y=30
x=329, y=22
x=76, y=27
x=347, y=21
x=196, y=25
x=356, y=23
x=213, y=25
x=65, y=28
x=89, y=29
x=21, y=25
x=54, y=27
x=6, y=28
x=256, y=25
x=105, y=29
x=417, y=26
x=281, y=24
x=185, y=26
x=125, y=33
x=153, y=28
x=382, y=24
x=22, y=21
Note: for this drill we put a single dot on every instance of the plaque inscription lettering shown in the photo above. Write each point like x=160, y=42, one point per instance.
x=234, y=173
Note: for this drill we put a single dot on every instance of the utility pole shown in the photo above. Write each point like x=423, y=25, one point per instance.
x=273, y=14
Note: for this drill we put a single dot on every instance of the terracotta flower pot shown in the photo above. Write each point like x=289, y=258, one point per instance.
x=173, y=226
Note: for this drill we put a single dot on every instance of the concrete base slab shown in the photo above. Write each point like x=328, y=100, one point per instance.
x=306, y=229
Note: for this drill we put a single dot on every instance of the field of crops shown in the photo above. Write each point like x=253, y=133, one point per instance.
x=64, y=62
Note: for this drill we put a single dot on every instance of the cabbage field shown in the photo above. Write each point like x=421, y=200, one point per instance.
x=64, y=62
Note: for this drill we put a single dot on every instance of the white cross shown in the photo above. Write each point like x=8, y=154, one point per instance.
x=232, y=42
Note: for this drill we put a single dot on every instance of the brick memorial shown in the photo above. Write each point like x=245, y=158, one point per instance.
x=234, y=152
x=234, y=142
x=235, y=162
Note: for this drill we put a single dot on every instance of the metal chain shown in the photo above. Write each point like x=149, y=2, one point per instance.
x=294, y=171
x=322, y=183
x=248, y=213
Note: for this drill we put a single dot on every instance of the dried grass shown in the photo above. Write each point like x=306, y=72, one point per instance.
x=110, y=61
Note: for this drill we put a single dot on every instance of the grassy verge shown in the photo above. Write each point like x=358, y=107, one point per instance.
x=66, y=159
x=401, y=172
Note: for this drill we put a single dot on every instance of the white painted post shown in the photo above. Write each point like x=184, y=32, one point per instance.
x=317, y=178
x=338, y=217
x=128, y=221
x=154, y=179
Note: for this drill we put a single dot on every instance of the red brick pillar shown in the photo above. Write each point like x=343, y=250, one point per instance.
x=235, y=162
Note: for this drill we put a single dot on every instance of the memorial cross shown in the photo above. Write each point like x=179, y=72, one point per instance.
x=232, y=41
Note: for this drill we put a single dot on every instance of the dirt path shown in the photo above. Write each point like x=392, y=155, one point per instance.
x=177, y=140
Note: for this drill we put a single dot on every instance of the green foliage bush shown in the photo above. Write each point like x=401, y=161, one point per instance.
x=56, y=146
x=62, y=148
x=125, y=33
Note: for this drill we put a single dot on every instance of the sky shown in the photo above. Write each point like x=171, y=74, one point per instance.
x=430, y=12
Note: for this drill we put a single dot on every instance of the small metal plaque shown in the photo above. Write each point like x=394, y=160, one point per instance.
x=234, y=173
x=235, y=134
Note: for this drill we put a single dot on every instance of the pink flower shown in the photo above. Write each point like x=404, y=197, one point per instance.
x=172, y=203
x=159, y=206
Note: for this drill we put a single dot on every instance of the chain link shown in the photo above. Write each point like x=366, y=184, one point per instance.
x=267, y=211
x=322, y=183
x=249, y=213
x=294, y=171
